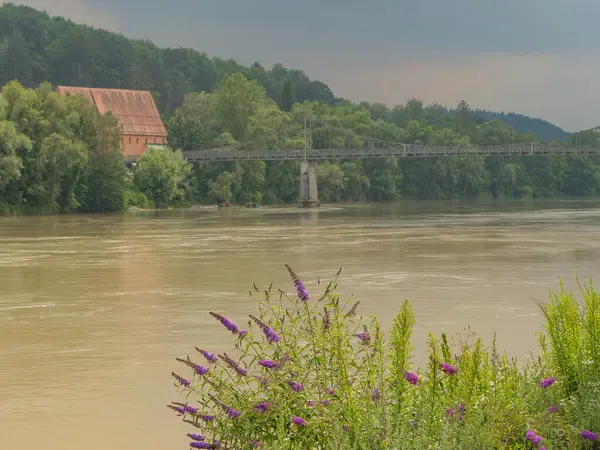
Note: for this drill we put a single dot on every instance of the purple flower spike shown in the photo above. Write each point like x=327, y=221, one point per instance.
x=262, y=407
x=297, y=387
x=552, y=409
x=207, y=418
x=234, y=365
x=182, y=381
x=210, y=357
x=330, y=391
x=326, y=402
x=302, y=292
x=376, y=395
x=190, y=409
x=412, y=378
x=256, y=444
x=243, y=333
x=272, y=337
x=299, y=421
x=589, y=435
x=448, y=369
x=269, y=363
x=461, y=407
x=197, y=444
x=547, y=382
x=363, y=336
x=536, y=440
x=200, y=370
x=196, y=437
x=450, y=412
x=346, y=428
x=226, y=322
x=529, y=435
x=269, y=332
x=232, y=413
x=310, y=403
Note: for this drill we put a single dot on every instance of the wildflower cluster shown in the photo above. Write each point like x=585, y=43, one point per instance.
x=310, y=374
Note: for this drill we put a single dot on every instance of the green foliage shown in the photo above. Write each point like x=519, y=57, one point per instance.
x=57, y=153
x=240, y=115
x=309, y=374
x=11, y=143
x=35, y=47
x=133, y=197
x=104, y=183
x=287, y=97
x=543, y=129
x=160, y=175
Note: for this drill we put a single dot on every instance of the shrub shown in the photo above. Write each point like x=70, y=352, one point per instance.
x=308, y=373
x=160, y=176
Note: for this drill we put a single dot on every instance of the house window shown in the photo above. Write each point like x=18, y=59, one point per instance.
x=130, y=139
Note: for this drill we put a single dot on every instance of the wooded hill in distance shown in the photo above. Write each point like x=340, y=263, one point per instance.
x=542, y=129
x=36, y=48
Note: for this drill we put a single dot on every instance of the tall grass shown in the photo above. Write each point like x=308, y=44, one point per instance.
x=309, y=373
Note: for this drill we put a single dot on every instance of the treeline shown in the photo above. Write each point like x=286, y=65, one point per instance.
x=240, y=111
x=57, y=154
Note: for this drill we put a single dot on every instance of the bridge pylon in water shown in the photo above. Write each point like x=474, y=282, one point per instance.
x=309, y=194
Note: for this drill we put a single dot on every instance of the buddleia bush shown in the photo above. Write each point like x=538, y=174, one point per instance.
x=309, y=373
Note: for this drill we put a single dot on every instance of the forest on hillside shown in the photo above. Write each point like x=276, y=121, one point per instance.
x=57, y=154
x=542, y=129
x=35, y=48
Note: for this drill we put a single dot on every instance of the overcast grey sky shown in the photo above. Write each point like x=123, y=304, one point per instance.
x=536, y=57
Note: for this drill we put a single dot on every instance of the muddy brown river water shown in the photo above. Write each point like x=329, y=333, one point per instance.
x=94, y=309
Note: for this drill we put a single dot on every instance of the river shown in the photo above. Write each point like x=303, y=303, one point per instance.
x=94, y=309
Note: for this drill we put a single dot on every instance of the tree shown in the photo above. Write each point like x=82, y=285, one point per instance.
x=104, y=183
x=220, y=189
x=11, y=143
x=186, y=132
x=160, y=175
x=15, y=60
x=237, y=99
x=287, y=98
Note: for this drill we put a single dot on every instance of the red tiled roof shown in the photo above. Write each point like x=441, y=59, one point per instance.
x=134, y=110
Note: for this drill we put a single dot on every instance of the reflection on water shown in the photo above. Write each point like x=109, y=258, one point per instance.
x=93, y=309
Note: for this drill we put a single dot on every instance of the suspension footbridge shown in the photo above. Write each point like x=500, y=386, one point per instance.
x=311, y=139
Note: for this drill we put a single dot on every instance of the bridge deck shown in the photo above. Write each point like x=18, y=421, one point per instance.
x=402, y=151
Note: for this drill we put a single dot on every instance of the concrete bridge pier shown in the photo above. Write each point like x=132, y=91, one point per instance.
x=309, y=195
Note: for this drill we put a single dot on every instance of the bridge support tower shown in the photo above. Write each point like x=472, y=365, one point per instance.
x=309, y=195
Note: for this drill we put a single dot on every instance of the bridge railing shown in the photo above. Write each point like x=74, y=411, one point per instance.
x=400, y=151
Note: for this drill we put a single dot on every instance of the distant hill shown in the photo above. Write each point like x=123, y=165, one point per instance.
x=35, y=47
x=543, y=129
